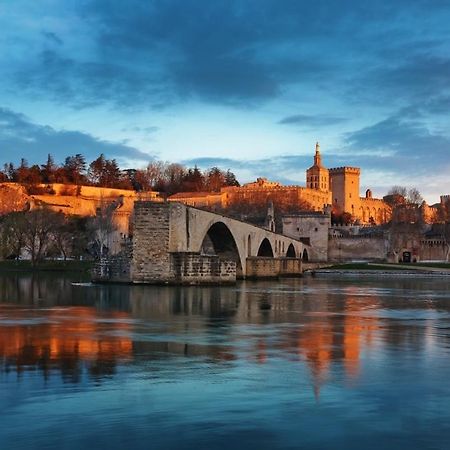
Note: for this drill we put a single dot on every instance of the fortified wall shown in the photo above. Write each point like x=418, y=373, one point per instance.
x=354, y=248
x=260, y=191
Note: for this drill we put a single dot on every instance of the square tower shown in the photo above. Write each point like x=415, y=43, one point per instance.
x=344, y=186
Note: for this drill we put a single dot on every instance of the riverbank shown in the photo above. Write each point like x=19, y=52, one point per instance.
x=422, y=269
x=46, y=266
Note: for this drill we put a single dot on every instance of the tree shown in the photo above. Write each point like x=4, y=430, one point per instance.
x=414, y=197
x=400, y=195
x=193, y=181
x=230, y=179
x=97, y=170
x=215, y=179
x=39, y=227
x=12, y=231
x=48, y=170
x=75, y=169
x=153, y=175
x=101, y=228
x=172, y=178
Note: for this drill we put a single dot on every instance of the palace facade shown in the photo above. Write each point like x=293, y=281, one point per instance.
x=337, y=188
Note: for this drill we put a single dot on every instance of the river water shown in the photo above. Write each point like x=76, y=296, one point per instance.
x=326, y=362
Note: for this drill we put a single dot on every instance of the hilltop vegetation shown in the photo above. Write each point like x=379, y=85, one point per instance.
x=168, y=178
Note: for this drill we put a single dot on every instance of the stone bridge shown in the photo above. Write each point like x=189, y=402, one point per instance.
x=175, y=243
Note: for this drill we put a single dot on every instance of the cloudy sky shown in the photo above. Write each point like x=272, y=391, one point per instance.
x=248, y=85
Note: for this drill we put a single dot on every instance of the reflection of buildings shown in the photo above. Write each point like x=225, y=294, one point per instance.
x=329, y=333
x=66, y=341
x=326, y=327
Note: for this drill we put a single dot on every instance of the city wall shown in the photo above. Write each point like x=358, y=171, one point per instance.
x=357, y=248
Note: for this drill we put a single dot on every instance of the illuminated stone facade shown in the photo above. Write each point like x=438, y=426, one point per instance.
x=338, y=187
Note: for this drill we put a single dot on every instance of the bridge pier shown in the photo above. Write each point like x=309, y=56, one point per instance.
x=264, y=267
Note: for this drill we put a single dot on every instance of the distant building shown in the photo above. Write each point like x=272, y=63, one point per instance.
x=338, y=187
x=310, y=227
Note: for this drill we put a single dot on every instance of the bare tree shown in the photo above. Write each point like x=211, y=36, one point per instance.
x=414, y=197
x=39, y=226
x=102, y=226
x=12, y=235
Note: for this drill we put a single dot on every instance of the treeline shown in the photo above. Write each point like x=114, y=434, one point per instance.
x=168, y=178
x=45, y=234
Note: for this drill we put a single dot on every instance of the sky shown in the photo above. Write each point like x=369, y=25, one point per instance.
x=247, y=85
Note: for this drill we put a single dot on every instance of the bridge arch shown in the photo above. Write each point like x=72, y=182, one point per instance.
x=265, y=248
x=305, y=256
x=291, y=251
x=219, y=240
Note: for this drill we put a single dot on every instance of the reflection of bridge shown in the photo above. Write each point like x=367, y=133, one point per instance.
x=175, y=243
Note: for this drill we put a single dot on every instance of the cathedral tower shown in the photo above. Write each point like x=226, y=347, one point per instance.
x=317, y=176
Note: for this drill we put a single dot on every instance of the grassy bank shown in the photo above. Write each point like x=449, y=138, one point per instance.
x=388, y=266
x=438, y=265
x=51, y=266
x=364, y=266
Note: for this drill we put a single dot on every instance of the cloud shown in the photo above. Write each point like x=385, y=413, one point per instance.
x=19, y=137
x=89, y=84
x=52, y=37
x=145, y=130
x=400, y=144
x=311, y=121
x=144, y=54
x=396, y=150
x=401, y=150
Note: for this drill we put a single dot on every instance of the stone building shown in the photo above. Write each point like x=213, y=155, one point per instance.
x=338, y=187
x=310, y=227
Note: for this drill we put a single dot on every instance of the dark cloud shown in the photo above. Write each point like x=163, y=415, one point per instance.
x=400, y=145
x=311, y=121
x=52, y=37
x=415, y=77
x=152, y=54
x=87, y=84
x=19, y=137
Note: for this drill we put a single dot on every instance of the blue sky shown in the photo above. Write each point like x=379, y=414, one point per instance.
x=246, y=85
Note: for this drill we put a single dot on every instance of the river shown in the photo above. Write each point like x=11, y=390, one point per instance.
x=326, y=362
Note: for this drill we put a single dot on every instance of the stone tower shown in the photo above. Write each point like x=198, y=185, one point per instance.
x=317, y=176
x=344, y=186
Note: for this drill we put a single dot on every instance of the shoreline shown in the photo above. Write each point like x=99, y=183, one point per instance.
x=384, y=273
x=46, y=266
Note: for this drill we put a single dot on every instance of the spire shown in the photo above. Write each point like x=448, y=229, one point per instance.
x=317, y=157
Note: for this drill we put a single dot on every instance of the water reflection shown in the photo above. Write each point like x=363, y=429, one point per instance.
x=67, y=326
x=304, y=363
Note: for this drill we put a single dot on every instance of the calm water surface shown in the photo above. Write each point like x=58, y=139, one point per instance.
x=314, y=363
